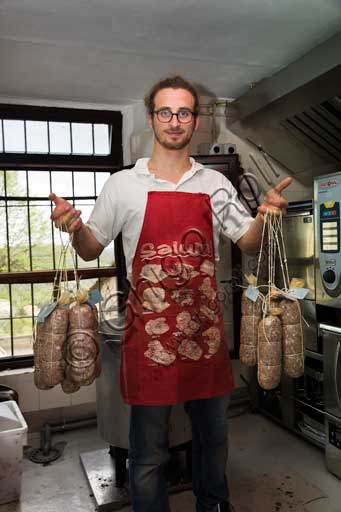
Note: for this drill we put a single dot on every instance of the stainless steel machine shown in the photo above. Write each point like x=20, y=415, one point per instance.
x=331, y=336
x=298, y=237
x=327, y=195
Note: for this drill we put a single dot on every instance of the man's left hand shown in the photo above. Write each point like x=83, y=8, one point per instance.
x=273, y=201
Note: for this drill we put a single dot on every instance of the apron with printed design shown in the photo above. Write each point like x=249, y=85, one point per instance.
x=173, y=347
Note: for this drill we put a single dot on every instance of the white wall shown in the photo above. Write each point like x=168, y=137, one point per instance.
x=267, y=171
x=33, y=399
x=214, y=129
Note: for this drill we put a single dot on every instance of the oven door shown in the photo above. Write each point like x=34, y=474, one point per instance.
x=331, y=338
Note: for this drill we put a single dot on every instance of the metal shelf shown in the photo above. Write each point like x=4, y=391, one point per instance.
x=307, y=404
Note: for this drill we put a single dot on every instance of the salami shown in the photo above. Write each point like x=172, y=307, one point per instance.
x=82, y=349
x=269, y=352
x=48, y=349
x=293, y=345
x=68, y=386
x=250, y=308
x=251, y=314
x=291, y=312
x=249, y=340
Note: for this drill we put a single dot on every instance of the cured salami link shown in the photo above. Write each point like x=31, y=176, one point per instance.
x=248, y=355
x=293, y=366
x=249, y=330
x=269, y=376
x=82, y=349
x=83, y=316
x=68, y=386
x=269, y=352
x=49, y=374
x=51, y=349
x=292, y=340
x=57, y=321
x=249, y=340
x=293, y=350
x=250, y=308
x=291, y=312
x=48, y=349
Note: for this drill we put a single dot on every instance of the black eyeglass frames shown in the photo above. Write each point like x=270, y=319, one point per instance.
x=165, y=115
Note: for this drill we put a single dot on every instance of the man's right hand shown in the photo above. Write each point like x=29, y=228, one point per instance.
x=65, y=216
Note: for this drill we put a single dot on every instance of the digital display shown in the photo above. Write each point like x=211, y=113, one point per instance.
x=329, y=213
x=330, y=226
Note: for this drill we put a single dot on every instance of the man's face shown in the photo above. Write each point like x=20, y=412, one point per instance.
x=173, y=135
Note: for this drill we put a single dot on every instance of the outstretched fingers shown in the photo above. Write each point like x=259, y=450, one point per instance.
x=283, y=184
x=64, y=215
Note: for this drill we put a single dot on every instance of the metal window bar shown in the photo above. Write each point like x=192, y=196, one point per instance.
x=71, y=139
x=73, y=197
x=30, y=241
x=3, y=135
x=7, y=224
x=48, y=138
x=93, y=138
x=11, y=318
x=52, y=230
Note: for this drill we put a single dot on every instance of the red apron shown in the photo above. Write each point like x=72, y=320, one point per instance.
x=174, y=348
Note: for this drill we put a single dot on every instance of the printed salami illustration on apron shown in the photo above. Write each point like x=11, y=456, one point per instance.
x=173, y=347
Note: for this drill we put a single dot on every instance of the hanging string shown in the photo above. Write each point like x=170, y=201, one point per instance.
x=73, y=256
x=285, y=260
x=261, y=246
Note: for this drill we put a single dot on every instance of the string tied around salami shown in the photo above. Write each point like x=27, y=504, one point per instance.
x=271, y=333
x=66, y=348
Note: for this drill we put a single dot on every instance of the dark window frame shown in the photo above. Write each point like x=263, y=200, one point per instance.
x=112, y=161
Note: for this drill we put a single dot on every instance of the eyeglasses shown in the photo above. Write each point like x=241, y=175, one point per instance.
x=165, y=115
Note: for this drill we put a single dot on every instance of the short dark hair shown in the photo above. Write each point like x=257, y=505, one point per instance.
x=171, y=82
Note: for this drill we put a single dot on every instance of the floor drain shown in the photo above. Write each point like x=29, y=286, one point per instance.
x=38, y=456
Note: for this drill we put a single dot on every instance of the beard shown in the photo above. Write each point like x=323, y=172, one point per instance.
x=161, y=137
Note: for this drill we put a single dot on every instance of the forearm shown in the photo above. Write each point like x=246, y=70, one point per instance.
x=251, y=241
x=86, y=244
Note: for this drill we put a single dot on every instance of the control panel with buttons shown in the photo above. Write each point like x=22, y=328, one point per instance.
x=327, y=231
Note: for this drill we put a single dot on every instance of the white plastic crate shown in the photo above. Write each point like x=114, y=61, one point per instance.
x=13, y=437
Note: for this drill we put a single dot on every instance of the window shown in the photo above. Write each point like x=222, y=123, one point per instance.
x=69, y=152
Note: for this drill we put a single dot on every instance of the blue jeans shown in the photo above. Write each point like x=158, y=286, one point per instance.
x=148, y=454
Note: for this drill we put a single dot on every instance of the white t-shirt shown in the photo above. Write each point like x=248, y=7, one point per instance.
x=121, y=205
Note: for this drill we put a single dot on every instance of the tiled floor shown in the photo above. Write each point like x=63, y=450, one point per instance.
x=270, y=470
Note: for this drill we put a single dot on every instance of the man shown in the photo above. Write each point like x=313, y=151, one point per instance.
x=171, y=211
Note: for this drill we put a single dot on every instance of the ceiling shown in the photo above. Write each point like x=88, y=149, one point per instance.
x=111, y=51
